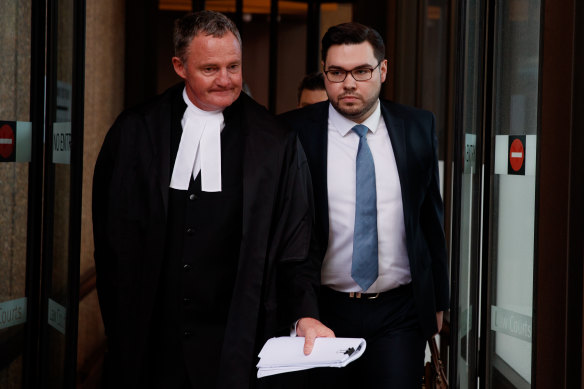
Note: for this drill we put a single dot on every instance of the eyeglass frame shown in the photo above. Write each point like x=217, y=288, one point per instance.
x=326, y=72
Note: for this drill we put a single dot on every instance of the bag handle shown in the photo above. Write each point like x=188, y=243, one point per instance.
x=441, y=381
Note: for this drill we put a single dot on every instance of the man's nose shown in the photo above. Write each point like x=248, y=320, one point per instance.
x=223, y=77
x=349, y=82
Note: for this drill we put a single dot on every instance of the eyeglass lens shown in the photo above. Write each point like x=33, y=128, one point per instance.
x=339, y=75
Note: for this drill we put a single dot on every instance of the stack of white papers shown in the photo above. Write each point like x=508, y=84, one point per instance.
x=286, y=354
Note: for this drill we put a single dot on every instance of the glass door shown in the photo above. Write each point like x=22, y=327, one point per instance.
x=57, y=192
x=62, y=192
x=15, y=156
x=41, y=145
x=513, y=146
x=467, y=199
x=495, y=194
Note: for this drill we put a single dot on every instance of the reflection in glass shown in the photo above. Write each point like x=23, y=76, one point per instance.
x=468, y=326
x=15, y=46
x=60, y=130
x=515, y=101
x=434, y=74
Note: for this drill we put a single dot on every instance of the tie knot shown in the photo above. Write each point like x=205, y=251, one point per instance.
x=360, y=129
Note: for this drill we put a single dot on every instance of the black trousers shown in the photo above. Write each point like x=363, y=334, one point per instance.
x=394, y=357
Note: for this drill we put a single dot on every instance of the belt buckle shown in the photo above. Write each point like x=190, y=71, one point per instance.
x=358, y=295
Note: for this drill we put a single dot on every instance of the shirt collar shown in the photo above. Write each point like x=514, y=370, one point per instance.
x=196, y=111
x=343, y=125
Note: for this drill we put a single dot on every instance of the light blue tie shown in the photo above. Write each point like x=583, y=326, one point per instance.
x=364, y=269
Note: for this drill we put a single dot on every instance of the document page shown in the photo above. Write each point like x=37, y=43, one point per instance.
x=285, y=354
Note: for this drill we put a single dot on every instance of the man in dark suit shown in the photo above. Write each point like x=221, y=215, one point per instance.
x=202, y=220
x=379, y=215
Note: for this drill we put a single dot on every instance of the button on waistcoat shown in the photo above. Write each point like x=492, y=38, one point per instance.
x=204, y=235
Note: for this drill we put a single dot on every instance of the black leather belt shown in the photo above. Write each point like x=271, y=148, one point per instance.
x=350, y=295
x=363, y=296
x=359, y=295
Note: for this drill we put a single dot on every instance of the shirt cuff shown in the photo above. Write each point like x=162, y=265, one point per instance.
x=293, y=328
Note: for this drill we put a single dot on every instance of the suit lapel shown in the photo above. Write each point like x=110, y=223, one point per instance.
x=397, y=135
x=314, y=138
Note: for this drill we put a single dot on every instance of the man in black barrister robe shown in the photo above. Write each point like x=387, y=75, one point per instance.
x=202, y=221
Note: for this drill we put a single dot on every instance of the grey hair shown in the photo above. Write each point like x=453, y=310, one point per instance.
x=208, y=22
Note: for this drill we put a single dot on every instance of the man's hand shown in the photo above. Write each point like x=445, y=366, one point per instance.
x=311, y=329
x=439, y=317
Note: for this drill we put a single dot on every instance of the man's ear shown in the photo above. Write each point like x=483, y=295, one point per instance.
x=179, y=67
x=383, y=70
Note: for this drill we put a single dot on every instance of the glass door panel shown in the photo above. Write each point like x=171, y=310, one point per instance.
x=15, y=148
x=432, y=86
x=513, y=188
x=470, y=139
x=39, y=193
x=56, y=253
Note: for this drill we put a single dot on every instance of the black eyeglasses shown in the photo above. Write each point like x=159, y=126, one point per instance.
x=359, y=74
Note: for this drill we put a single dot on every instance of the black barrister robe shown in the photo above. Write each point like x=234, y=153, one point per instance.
x=275, y=282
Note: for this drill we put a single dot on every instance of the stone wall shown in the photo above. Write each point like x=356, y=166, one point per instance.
x=15, y=41
x=104, y=97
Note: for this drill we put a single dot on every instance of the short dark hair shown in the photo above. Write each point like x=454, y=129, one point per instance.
x=312, y=81
x=207, y=22
x=353, y=33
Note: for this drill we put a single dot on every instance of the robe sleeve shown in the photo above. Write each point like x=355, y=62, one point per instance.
x=298, y=271
x=104, y=254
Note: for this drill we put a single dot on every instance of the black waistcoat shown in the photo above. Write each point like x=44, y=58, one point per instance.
x=204, y=235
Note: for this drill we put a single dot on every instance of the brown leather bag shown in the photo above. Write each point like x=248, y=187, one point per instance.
x=434, y=375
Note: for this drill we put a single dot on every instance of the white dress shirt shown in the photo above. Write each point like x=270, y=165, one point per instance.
x=394, y=268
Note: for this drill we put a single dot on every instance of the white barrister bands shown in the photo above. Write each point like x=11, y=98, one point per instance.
x=199, y=149
x=286, y=354
x=210, y=152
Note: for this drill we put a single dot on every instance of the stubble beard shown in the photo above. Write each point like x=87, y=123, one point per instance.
x=354, y=111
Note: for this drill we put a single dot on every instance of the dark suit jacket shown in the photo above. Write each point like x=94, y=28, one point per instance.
x=414, y=142
x=130, y=200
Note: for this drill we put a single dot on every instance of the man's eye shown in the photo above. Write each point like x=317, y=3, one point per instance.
x=361, y=72
x=209, y=70
x=233, y=68
x=336, y=72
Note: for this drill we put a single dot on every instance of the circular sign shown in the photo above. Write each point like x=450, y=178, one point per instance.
x=516, y=155
x=6, y=141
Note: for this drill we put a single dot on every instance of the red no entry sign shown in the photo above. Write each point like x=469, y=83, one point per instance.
x=516, y=155
x=7, y=141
